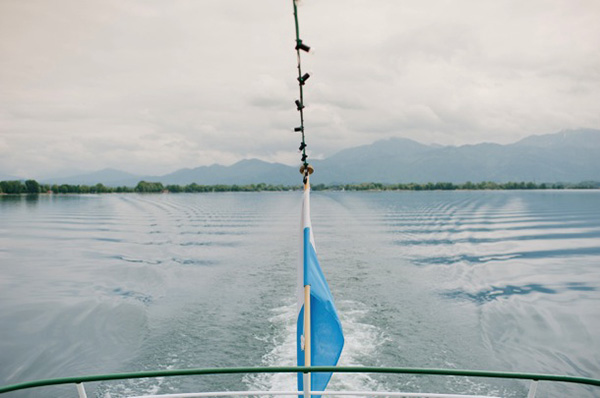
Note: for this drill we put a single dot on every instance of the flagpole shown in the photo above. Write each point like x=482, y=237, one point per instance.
x=307, y=326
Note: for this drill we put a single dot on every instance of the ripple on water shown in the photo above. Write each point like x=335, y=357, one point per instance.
x=500, y=280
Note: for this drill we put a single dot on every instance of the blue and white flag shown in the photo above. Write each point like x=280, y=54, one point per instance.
x=327, y=339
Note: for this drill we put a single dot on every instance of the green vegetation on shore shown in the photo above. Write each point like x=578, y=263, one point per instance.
x=33, y=187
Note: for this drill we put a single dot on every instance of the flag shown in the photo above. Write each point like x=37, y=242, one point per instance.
x=327, y=339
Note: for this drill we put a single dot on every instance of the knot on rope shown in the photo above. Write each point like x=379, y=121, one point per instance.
x=302, y=79
x=306, y=170
x=301, y=46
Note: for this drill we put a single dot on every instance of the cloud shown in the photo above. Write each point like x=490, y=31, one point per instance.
x=151, y=86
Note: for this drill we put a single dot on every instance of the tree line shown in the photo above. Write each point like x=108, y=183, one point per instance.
x=449, y=186
x=33, y=187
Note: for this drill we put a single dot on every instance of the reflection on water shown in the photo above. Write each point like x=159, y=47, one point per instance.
x=486, y=280
x=496, y=292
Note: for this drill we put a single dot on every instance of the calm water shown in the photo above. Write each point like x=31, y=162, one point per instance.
x=479, y=280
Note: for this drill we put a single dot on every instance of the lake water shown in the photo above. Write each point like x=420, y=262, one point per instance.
x=506, y=281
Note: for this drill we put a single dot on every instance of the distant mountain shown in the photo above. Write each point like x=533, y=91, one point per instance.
x=108, y=177
x=567, y=156
x=248, y=171
x=382, y=161
x=567, y=138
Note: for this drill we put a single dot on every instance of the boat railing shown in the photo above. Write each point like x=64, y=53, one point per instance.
x=532, y=377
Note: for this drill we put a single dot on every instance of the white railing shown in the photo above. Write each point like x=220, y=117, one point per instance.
x=322, y=393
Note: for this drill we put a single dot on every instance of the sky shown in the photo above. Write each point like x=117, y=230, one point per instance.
x=150, y=86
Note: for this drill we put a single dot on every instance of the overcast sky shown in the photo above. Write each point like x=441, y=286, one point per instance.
x=151, y=86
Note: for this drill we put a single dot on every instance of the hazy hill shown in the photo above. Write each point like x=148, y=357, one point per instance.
x=247, y=171
x=568, y=156
x=378, y=162
x=108, y=177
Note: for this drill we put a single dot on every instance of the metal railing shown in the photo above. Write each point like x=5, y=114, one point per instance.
x=79, y=380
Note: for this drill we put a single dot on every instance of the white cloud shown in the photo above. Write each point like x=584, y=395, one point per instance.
x=152, y=86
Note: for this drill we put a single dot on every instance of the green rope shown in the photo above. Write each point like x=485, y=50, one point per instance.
x=300, y=103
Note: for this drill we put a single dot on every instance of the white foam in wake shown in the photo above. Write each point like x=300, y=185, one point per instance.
x=361, y=343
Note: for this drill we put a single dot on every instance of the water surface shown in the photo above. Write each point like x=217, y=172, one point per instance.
x=504, y=281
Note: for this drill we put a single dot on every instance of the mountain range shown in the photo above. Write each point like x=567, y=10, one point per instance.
x=567, y=156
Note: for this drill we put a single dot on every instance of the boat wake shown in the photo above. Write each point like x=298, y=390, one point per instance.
x=362, y=341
